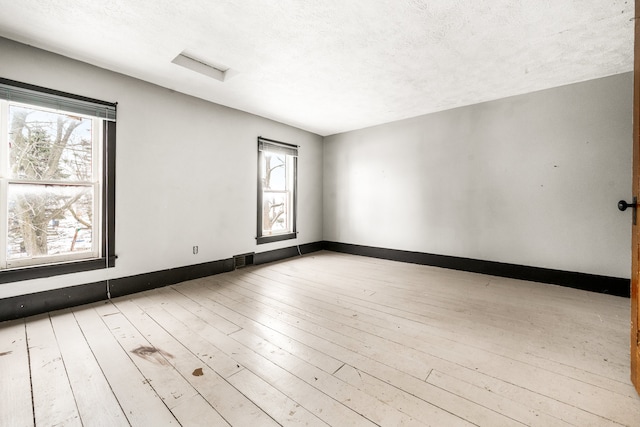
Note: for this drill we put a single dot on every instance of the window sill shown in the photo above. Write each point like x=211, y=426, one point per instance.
x=276, y=238
x=49, y=270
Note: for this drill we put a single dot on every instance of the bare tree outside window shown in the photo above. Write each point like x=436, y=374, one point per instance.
x=50, y=192
x=275, y=194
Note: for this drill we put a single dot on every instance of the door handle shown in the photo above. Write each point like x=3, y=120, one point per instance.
x=622, y=205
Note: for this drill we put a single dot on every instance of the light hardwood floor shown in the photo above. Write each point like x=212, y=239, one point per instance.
x=326, y=339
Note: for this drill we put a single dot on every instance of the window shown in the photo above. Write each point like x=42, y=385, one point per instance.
x=56, y=182
x=277, y=181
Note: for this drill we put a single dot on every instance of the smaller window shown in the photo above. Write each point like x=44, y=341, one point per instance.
x=277, y=182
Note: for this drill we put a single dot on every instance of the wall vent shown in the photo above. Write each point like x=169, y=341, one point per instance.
x=218, y=72
x=242, y=260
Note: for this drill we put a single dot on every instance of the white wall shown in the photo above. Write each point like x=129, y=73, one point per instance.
x=186, y=170
x=531, y=180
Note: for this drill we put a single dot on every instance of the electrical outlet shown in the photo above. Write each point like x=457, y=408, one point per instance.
x=195, y=250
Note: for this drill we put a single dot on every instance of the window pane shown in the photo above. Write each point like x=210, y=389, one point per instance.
x=49, y=220
x=274, y=172
x=45, y=145
x=275, y=212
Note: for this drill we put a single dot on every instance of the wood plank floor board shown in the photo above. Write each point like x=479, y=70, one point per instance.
x=399, y=398
x=578, y=304
x=321, y=380
x=407, y=279
x=615, y=369
x=417, y=387
x=231, y=403
x=16, y=408
x=603, y=404
x=154, y=304
x=462, y=306
x=138, y=399
x=196, y=411
x=282, y=409
x=398, y=326
x=200, y=295
x=512, y=409
x=216, y=319
x=529, y=398
x=152, y=362
x=355, y=341
x=97, y=405
x=282, y=381
x=447, y=337
x=183, y=363
x=368, y=405
x=348, y=349
x=53, y=399
x=505, y=389
x=460, y=314
x=326, y=339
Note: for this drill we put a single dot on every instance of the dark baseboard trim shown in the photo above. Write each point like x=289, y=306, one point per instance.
x=54, y=299
x=284, y=253
x=157, y=279
x=57, y=299
x=588, y=282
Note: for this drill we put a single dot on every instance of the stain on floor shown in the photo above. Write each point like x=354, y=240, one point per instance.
x=153, y=355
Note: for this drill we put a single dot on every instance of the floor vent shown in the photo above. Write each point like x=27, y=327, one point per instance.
x=243, y=260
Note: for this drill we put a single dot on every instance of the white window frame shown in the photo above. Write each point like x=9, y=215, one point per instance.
x=6, y=181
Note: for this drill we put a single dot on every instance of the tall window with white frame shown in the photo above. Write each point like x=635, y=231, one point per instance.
x=277, y=188
x=53, y=179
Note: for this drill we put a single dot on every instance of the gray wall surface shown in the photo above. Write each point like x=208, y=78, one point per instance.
x=531, y=180
x=186, y=170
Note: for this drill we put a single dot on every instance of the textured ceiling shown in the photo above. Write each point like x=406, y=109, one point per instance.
x=330, y=66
